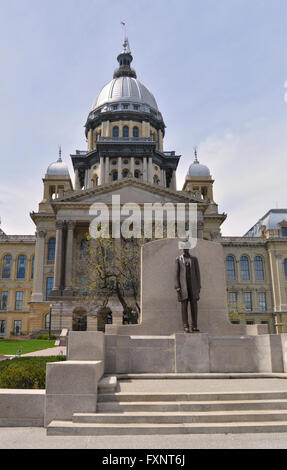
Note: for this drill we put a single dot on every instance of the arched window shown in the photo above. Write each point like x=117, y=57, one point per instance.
x=51, y=249
x=115, y=175
x=116, y=132
x=21, y=267
x=126, y=131
x=245, y=271
x=125, y=173
x=6, y=268
x=137, y=174
x=259, y=268
x=135, y=131
x=285, y=267
x=230, y=268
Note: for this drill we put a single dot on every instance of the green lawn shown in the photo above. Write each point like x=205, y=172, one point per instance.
x=27, y=346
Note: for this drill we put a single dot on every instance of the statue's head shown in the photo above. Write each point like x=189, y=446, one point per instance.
x=185, y=245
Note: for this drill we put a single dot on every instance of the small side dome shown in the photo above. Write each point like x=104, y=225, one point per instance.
x=197, y=169
x=58, y=168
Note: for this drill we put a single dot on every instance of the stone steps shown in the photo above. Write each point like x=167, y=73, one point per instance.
x=121, y=413
x=189, y=396
x=69, y=428
x=187, y=406
x=180, y=417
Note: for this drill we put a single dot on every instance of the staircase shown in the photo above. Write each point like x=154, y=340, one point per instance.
x=131, y=412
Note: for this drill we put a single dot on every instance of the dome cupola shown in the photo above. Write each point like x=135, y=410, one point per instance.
x=197, y=169
x=58, y=168
x=125, y=97
x=125, y=59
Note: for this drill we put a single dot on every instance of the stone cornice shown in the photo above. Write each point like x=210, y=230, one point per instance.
x=36, y=216
x=123, y=115
x=242, y=241
x=17, y=239
x=77, y=196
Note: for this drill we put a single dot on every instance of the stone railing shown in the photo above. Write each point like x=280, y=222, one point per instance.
x=126, y=139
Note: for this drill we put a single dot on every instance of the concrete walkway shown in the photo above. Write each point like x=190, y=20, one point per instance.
x=58, y=351
x=36, y=438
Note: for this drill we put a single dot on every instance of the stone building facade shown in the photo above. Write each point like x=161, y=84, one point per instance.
x=125, y=157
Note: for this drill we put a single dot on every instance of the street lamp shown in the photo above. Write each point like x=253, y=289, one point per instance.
x=50, y=321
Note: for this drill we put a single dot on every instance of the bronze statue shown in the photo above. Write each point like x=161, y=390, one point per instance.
x=187, y=284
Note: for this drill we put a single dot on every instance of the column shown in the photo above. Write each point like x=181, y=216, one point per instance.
x=37, y=295
x=200, y=225
x=102, y=170
x=163, y=178
x=145, y=169
x=173, y=181
x=281, y=282
x=69, y=259
x=107, y=167
x=150, y=172
x=58, y=258
x=77, y=180
x=133, y=167
x=119, y=168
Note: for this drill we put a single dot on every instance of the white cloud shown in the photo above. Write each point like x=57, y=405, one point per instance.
x=250, y=170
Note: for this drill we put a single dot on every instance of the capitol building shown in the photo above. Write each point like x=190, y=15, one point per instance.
x=126, y=156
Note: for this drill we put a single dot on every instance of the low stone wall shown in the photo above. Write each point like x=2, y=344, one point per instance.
x=187, y=353
x=22, y=408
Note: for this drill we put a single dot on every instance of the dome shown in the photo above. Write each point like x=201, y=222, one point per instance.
x=58, y=168
x=127, y=90
x=197, y=169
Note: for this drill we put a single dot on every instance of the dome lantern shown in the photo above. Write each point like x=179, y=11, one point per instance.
x=58, y=168
x=125, y=59
x=197, y=169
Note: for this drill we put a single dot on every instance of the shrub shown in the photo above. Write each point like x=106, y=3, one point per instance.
x=46, y=337
x=25, y=373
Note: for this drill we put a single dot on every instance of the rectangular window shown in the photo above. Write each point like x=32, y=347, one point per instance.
x=19, y=300
x=17, y=327
x=248, y=301
x=3, y=300
x=262, y=301
x=250, y=322
x=33, y=267
x=232, y=299
x=284, y=231
x=49, y=286
x=2, y=327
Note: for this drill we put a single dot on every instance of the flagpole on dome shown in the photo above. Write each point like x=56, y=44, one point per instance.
x=126, y=41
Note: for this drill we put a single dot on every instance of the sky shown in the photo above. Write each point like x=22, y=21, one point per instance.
x=217, y=69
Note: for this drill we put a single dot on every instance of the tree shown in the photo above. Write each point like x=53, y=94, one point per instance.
x=111, y=267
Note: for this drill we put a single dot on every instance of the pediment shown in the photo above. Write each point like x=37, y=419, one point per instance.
x=129, y=191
